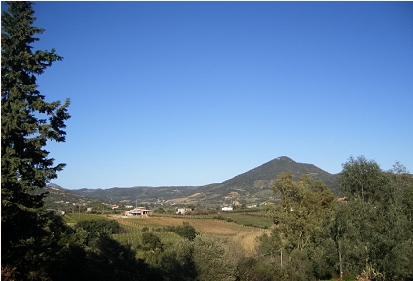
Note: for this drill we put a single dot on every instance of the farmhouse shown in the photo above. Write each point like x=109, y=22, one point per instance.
x=140, y=211
x=183, y=211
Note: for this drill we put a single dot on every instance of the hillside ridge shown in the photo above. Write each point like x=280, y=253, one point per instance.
x=253, y=185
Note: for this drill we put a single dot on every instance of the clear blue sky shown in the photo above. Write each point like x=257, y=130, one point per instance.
x=192, y=93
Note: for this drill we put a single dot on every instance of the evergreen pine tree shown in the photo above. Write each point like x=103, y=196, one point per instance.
x=27, y=123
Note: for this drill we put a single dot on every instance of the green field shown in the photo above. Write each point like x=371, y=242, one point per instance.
x=74, y=218
x=242, y=231
x=249, y=219
x=243, y=217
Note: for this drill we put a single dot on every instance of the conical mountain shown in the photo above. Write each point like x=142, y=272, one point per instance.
x=262, y=177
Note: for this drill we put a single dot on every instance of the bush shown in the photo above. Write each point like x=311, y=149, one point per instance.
x=212, y=259
x=186, y=230
x=151, y=242
x=99, y=226
x=253, y=269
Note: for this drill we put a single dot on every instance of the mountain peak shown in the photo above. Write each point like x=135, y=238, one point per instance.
x=284, y=158
x=262, y=176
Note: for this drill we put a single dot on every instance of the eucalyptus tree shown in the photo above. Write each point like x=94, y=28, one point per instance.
x=300, y=213
x=371, y=229
x=363, y=179
x=298, y=219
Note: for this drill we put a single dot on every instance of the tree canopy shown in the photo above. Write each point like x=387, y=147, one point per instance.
x=28, y=122
x=369, y=234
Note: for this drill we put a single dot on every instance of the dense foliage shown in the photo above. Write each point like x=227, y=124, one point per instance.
x=186, y=230
x=373, y=228
x=29, y=232
x=368, y=233
x=99, y=226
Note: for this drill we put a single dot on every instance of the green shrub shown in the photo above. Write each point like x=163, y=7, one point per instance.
x=151, y=242
x=99, y=226
x=186, y=230
x=219, y=217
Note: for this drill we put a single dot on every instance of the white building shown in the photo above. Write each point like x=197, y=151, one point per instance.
x=140, y=211
x=183, y=211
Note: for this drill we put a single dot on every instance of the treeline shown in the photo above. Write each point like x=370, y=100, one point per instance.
x=367, y=233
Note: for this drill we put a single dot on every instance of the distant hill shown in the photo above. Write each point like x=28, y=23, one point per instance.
x=60, y=198
x=261, y=177
x=137, y=193
x=249, y=187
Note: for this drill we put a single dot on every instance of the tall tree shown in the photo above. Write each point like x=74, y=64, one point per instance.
x=372, y=230
x=27, y=123
x=302, y=204
x=362, y=178
x=298, y=226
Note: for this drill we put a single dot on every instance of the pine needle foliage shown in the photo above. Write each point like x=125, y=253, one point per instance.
x=28, y=122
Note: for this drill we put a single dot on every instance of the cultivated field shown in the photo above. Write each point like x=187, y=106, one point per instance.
x=236, y=234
